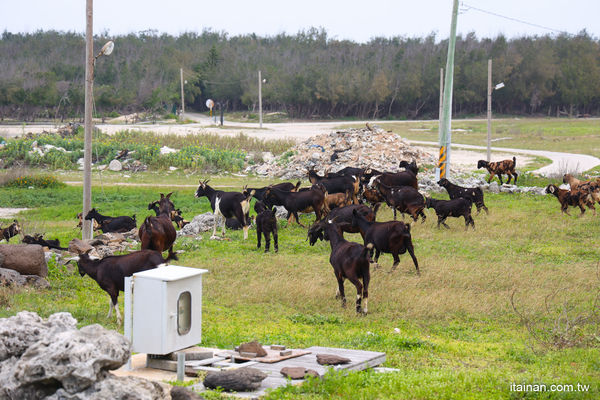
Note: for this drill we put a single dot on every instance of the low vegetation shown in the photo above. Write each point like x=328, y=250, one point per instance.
x=452, y=332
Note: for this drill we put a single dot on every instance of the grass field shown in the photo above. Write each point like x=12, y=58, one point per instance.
x=451, y=332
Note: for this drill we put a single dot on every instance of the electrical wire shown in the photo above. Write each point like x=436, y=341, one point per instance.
x=470, y=7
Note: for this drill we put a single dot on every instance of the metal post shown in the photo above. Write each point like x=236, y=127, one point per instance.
x=86, y=229
x=221, y=107
x=182, y=98
x=489, y=112
x=180, y=366
x=446, y=134
x=437, y=170
x=259, y=99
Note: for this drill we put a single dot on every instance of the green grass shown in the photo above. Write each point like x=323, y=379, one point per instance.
x=451, y=332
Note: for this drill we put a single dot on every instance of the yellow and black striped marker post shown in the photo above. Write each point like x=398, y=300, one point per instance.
x=442, y=161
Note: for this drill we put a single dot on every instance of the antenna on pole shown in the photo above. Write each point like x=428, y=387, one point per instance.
x=445, y=131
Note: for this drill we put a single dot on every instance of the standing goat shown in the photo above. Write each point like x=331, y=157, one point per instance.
x=500, y=167
x=405, y=199
x=459, y=207
x=343, y=219
x=12, y=230
x=568, y=198
x=387, y=237
x=309, y=200
x=227, y=205
x=349, y=261
x=266, y=223
x=474, y=194
x=158, y=233
x=110, y=272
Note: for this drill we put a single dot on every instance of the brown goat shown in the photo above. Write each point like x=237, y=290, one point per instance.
x=336, y=200
x=158, y=233
x=590, y=187
x=568, y=198
x=499, y=168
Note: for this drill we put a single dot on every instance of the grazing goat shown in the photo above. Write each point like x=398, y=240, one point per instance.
x=593, y=188
x=405, y=199
x=349, y=261
x=312, y=199
x=158, y=233
x=387, y=237
x=12, y=230
x=38, y=239
x=337, y=200
x=343, y=219
x=500, y=167
x=227, y=205
x=372, y=196
x=266, y=223
x=338, y=184
x=474, y=194
x=112, y=224
x=395, y=179
x=568, y=198
x=110, y=272
x=459, y=207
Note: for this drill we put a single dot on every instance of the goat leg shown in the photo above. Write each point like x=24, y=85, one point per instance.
x=275, y=239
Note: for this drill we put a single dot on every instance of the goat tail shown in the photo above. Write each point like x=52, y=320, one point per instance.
x=366, y=250
x=133, y=218
x=147, y=226
x=514, y=161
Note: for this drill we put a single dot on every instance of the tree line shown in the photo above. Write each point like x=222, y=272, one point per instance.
x=308, y=75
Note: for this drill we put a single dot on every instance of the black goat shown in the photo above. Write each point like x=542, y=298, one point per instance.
x=474, y=194
x=412, y=166
x=395, y=179
x=343, y=219
x=459, y=207
x=175, y=216
x=112, y=224
x=158, y=233
x=405, y=199
x=338, y=184
x=38, y=239
x=266, y=223
x=387, y=237
x=259, y=193
x=296, y=202
x=349, y=261
x=110, y=272
x=12, y=230
x=227, y=205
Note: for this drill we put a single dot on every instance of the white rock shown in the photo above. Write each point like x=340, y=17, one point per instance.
x=167, y=150
x=115, y=165
x=267, y=156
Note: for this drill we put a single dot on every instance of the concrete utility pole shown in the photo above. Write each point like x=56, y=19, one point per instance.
x=441, y=102
x=86, y=229
x=182, y=98
x=445, y=132
x=489, y=112
x=259, y=98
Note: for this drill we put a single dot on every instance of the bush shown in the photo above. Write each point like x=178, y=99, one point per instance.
x=41, y=181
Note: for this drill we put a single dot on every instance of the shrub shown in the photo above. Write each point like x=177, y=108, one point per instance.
x=40, y=181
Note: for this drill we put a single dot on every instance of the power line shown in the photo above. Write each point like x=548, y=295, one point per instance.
x=470, y=7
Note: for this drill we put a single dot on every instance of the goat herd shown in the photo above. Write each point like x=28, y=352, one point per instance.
x=339, y=196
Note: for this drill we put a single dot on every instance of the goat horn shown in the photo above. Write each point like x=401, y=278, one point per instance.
x=169, y=195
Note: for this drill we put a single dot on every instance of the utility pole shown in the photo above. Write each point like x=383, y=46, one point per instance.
x=259, y=99
x=445, y=132
x=86, y=229
x=182, y=98
x=489, y=112
x=441, y=101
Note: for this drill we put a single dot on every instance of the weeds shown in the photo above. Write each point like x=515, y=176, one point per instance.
x=564, y=324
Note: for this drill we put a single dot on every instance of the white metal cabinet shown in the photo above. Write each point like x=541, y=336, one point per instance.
x=163, y=309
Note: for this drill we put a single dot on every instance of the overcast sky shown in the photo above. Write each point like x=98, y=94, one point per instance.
x=348, y=19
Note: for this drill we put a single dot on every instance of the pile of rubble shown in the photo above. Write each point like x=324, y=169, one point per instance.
x=52, y=359
x=368, y=147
